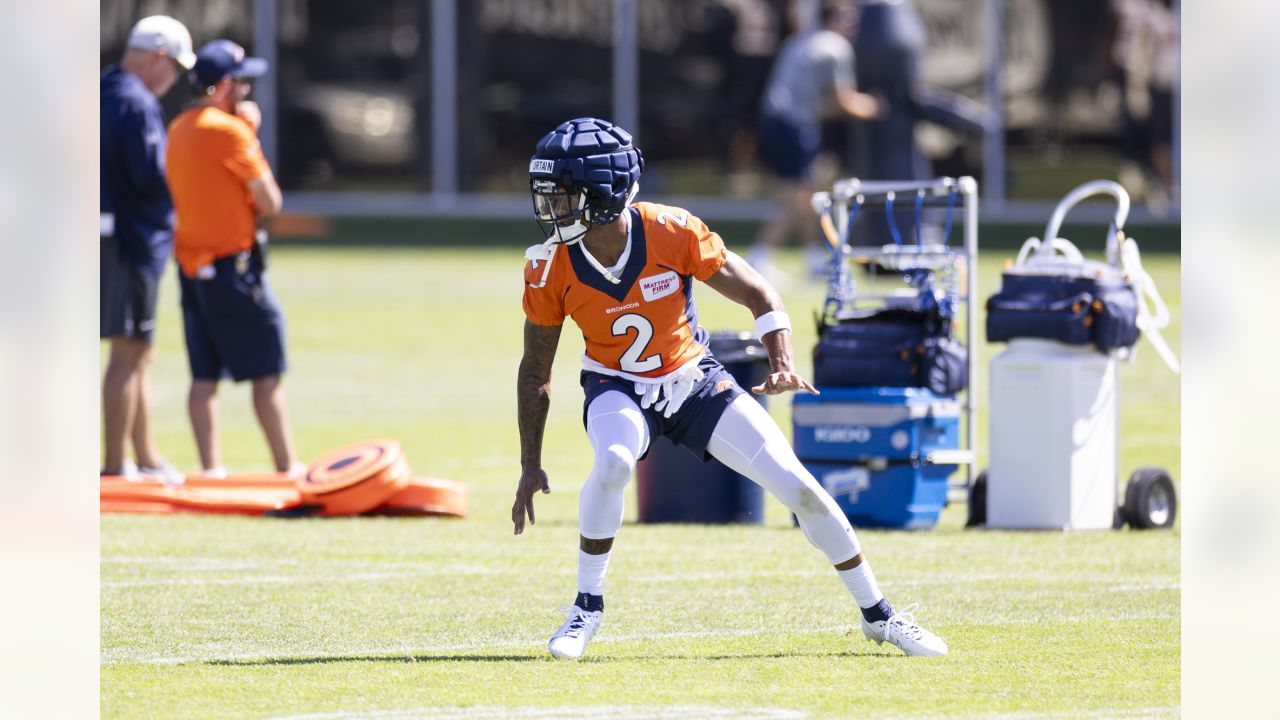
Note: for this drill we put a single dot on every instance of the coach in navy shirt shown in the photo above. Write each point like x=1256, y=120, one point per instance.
x=137, y=236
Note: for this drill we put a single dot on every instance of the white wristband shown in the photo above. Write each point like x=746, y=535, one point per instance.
x=770, y=321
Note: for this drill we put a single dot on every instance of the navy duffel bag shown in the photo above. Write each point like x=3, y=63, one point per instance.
x=891, y=347
x=1100, y=310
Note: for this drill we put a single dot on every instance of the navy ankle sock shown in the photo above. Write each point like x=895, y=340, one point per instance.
x=879, y=611
x=593, y=603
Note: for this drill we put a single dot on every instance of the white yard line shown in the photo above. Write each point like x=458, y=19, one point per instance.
x=193, y=563
x=891, y=580
x=680, y=712
x=1050, y=714
x=278, y=579
x=1143, y=588
x=599, y=712
x=203, y=565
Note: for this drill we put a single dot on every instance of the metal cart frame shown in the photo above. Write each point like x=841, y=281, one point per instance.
x=837, y=211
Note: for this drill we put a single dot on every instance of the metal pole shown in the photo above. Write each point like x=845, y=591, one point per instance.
x=971, y=399
x=626, y=68
x=444, y=98
x=993, y=150
x=264, y=46
x=1176, y=191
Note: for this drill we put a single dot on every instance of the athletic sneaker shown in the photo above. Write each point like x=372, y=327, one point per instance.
x=166, y=472
x=901, y=630
x=570, y=641
x=128, y=471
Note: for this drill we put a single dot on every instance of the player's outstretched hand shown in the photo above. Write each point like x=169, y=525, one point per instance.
x=531, y=481
x=781, y=382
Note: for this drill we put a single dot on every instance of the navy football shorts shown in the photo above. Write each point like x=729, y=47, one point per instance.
x=788, y=151
x=233, y=324
x=127, y=296
x=692, y=425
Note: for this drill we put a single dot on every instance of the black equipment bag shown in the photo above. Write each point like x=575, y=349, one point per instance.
x=1100, y=310
x=891, y=347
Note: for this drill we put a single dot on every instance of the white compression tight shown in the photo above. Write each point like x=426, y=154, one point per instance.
x=618, y=435
x=749, y=442
x=746, y=440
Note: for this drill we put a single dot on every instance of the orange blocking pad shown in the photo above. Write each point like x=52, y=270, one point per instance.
x=356, y=478
x=247, y=480
x=248, y=494
x=428, y=496
x=372, y=476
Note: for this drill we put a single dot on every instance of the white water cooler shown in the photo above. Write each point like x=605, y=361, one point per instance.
x=1053, y=436
x=1053, y=423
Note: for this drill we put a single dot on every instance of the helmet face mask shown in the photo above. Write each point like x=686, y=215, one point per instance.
x=559, y=211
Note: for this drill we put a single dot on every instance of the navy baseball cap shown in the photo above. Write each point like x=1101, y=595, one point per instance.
x=222, y=58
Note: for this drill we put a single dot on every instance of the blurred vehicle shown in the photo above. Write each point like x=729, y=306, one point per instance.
x=329, y=129
x=352, y=93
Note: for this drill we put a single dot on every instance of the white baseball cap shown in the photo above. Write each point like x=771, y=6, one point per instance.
x=162, y=34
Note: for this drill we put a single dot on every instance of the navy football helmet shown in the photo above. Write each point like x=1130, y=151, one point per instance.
x=585, y=171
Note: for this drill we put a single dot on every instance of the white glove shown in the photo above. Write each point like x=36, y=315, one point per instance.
x=648, y=393
x=673, y=391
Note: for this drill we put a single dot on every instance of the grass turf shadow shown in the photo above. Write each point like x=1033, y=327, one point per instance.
x=409, y=658
x=540, y=657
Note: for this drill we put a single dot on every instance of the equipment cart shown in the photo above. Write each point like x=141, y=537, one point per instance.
x=894, y=362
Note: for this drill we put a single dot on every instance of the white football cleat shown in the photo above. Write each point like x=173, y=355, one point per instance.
x=901, y=630
x=171, y=475
x=570, y=641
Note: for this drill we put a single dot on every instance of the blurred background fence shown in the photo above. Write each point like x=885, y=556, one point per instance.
x=431, y=108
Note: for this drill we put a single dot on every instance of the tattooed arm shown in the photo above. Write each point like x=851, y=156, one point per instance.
x=533, y=396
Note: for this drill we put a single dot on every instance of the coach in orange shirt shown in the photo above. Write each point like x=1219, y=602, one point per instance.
x=221, y=187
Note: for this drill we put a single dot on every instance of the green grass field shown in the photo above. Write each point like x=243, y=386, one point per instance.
x=225, y=617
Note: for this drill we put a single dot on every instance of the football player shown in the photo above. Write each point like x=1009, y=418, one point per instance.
x=624, y=272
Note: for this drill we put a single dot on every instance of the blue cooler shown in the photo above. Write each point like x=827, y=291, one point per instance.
x=869, y=448
x=907, y=495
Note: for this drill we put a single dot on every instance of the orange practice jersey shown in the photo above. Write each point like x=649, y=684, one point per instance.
x=646, y=326
x=211, y=157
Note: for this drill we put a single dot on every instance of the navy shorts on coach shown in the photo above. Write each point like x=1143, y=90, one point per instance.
x=126, y=296
x=787, y=150
x=695, y=421
x=233, y=323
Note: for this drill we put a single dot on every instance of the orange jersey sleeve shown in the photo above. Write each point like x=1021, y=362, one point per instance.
x=544, y=305
x=700, y=252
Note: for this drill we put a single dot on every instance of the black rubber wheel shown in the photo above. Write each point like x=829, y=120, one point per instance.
x=1150, y=500
x=1118, y=522
x=977, y=502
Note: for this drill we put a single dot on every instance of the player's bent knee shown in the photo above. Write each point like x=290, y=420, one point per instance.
x=614, y=466
x=808, y=502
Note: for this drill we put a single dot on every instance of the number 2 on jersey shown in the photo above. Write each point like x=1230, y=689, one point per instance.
x=630, y=360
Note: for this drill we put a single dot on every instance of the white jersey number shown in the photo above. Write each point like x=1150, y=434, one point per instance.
x=664, y=216
x=630, y=360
